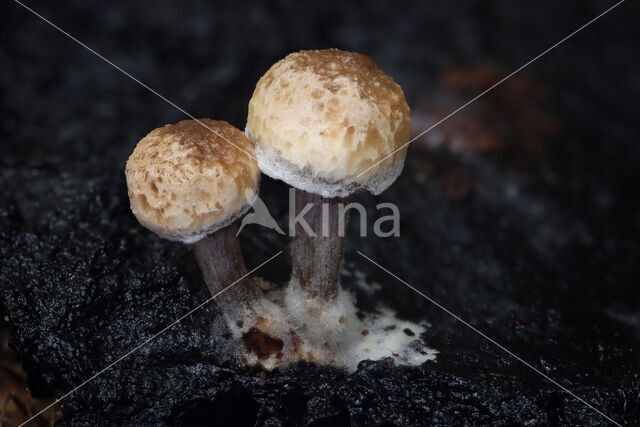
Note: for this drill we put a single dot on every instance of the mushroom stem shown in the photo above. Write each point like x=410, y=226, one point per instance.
x=220, y=259
x=316, y=259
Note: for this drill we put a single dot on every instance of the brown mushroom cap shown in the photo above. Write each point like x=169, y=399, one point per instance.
x=187, y=180
x=320, y=118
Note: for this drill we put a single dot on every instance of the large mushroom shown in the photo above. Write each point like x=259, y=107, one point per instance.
x=319, y=121
x=189, y=182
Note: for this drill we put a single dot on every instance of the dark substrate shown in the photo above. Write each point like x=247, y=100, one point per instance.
x=532, y=236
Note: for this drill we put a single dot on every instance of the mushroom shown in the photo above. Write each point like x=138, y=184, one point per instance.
x=189, y=182
x=319, y=121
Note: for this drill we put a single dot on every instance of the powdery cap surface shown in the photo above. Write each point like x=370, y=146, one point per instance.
x=186, y=181
x=320, y=118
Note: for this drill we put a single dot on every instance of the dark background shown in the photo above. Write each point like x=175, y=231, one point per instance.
x=520, y=214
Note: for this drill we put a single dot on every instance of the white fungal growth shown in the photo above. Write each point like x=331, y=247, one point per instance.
x=330, y=335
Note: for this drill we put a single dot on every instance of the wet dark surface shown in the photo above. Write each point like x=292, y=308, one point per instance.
x=520, y=215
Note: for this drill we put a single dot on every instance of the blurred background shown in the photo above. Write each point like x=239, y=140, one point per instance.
x=520, y=213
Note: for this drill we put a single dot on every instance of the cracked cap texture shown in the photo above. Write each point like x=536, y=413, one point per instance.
x=192, y=178
x=320, y=118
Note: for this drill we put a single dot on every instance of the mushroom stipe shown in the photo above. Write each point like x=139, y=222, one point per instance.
x=220, y=259
x=317, y=256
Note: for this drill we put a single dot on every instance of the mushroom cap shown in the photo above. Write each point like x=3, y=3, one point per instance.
x=320, y=118
x=192, y=178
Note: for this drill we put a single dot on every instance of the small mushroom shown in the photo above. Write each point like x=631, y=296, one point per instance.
x=319, y=120
x=187, y=182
